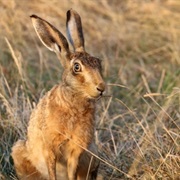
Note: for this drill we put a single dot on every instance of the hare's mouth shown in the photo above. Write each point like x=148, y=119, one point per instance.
x=96, y=96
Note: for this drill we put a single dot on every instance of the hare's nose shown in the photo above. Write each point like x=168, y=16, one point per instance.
x=101, y=87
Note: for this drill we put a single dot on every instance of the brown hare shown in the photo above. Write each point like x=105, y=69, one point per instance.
x=61, y=127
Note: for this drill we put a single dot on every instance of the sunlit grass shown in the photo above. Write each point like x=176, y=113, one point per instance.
x=138, y=120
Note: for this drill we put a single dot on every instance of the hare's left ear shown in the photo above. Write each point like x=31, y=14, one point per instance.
x=51, y=37
x=74, y=30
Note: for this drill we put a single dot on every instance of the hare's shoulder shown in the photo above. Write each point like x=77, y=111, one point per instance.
x=40, y=111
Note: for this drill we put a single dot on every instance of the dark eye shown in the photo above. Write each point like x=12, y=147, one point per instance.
x=77, y=67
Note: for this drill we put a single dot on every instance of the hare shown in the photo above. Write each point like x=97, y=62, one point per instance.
x=61, y=127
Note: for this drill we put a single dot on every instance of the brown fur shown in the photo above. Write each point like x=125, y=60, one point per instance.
x=62, y=124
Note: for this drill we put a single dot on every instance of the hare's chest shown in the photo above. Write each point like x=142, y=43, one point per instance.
x=80, y=128
x=78, y=119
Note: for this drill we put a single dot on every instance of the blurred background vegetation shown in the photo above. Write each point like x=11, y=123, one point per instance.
x=138, y=120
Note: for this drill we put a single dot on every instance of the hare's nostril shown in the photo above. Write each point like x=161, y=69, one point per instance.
x=101, y=87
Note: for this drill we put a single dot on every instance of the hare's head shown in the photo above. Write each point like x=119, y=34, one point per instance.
x=82, y=72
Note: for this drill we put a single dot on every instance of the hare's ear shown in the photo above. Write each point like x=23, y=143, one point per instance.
x=50, y=36
x=74, y=30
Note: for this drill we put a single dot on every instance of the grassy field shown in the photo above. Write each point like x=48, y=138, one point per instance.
x=138, y=120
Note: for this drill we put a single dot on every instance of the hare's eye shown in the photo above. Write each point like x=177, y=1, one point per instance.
x=77, y=67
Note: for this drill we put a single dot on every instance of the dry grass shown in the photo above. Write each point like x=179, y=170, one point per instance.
x=138, y=125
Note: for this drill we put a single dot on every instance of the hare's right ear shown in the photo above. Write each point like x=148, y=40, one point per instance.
x=75, y=30
x=50, y=36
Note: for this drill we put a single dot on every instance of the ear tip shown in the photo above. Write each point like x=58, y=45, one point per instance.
x=33, y=16
x=71, y=11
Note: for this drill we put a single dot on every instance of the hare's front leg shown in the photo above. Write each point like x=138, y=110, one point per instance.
x=73, y=161
x=51, y=165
